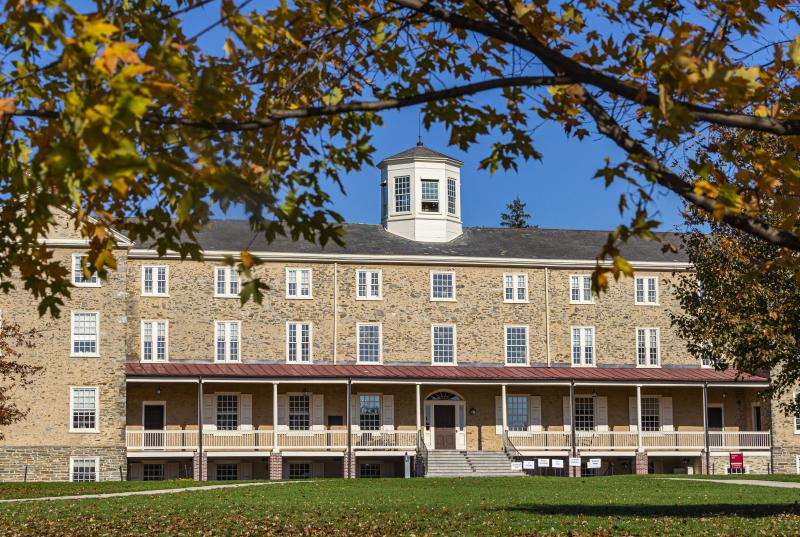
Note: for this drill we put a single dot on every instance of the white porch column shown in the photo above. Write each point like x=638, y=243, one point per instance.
x=639, y=417
x=505, y=409
x=275, y=417
x=419, y=409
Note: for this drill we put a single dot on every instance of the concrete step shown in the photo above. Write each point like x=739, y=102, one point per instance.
x=469, y=463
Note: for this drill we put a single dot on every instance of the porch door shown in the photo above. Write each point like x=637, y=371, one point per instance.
x=444, y=422
x=153, y=421
x=714, y=414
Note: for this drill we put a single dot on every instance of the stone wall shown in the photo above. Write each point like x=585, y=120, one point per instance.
x=52, y=463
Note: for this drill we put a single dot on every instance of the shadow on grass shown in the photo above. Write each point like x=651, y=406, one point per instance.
x=654, y=511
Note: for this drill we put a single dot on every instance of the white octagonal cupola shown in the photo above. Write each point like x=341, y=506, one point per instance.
x=421, y=195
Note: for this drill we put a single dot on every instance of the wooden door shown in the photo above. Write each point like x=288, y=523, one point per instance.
x=153, y=421
x=444, y=421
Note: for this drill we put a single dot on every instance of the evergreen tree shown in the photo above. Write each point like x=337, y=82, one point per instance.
x=516, y=215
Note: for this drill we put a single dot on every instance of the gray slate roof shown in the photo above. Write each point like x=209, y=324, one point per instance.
x=419, y=151
x=361, y=239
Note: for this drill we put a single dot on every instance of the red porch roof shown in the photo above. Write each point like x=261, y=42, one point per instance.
x=443, y=373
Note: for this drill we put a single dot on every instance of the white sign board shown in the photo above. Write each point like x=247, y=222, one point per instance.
x=543, y=463
x=516, y=466
x=593, y=464
x=558, y=463
x=529, y=465
x=574, y=461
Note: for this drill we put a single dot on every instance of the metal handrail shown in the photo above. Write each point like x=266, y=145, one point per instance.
x=422, y=456
x=509, y=448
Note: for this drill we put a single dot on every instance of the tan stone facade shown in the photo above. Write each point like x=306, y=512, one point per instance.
x=40, y=447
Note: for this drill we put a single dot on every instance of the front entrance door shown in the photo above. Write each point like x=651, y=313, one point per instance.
x=153, y=425
x=714, y=414
x=444, y=420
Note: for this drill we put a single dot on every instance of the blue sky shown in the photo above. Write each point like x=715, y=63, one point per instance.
x=559, y=190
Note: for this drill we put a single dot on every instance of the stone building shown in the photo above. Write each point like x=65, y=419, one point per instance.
x=457, y=349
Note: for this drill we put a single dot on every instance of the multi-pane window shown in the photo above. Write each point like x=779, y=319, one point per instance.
x=83, y=407
x=84, y=333
x=647, y=347
x=228, y=471
x=430, y=196
x=443, y=286
x=226, y=282
x=298, y=342
x=299, y=413
x=79, y=270
x=517, y=409
x=647, y=290
x=153, y=472
x=369, y=343
x=444, y=343
x=299, y=470
x=83, y=470
x=369, y=413
x=369, y=469
x=516, y=345
x=368, y=284
x=582, y=346
x=227, y=412
x=154, y=281
x=402, y=194
x=651, y=414
x=451, y=196
x=797, y=416
x=584, y=413
x=516, y=287
x=298, y=283
x=226, y=341
x=705, y=357
x=580, y=289
x=154, y=341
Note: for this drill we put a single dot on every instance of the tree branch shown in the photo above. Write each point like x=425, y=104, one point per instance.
x=666, y=178
x=275, y=116
x=562, y=65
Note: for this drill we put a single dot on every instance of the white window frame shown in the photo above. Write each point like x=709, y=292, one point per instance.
x=72, y=460
x=72, y=352
x=226, y=358
x=358, y=343
x=298, y=343
x=455, y=344
x=297, y=295
x=645, y=302
x=581, y=283
x=95, y=283
x=153, y=335
x=796, y=417
x=96, y=428
x=647, y=347
x=527, y=344
x=228, y=271
x=453, y=278
x=394, y=195
x=422, y=199
x=154, y=269
x=583, y=346
x=454, y=198
x=369, y=273
x=515, y=287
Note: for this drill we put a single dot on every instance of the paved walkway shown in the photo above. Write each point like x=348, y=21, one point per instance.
x=753, y=482
x=148, y=492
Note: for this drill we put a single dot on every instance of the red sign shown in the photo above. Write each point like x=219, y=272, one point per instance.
x=736, y=462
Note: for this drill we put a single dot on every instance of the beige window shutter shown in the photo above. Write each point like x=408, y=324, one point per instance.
x=498, y=414
x=210, y=412
x=355, y=412
x=283, y=413
x=317, y=412
x=246, y=412
x=535, y=413
x=601, y=406
x=666, y=414
x=633, y=417
x=567, y=414
x=387, y=412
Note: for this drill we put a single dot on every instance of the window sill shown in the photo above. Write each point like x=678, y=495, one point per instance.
x=143, y=361
x=84, y=355
x=648, y=366
x=156, y=295
x=289, y=297
x=299, y=362
x=84, y=431
x=444, y=364
x=87, y=285
x=517, y=365
x=516, y=302
x=646, y=304
x=583, y=365
x=359, y=362
x=443, y=299
x=225, y=296
x=581, y=303
x=217, y=361
x=369, y=299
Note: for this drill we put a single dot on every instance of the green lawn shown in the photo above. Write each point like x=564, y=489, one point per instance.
x=622, y=505
x=36, y=490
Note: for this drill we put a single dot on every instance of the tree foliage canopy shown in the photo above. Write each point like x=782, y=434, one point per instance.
x=14, y=372
x=118, y=112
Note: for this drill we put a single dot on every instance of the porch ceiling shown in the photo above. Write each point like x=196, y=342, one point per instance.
x=439, y=373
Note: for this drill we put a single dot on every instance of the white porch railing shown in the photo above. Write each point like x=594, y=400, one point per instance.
x=372, y=440
x=738, y=440
x=237, y=440
x=671, y=440
x=606, y=440
x=525, y=440
x=179, y=440
x=312, y=439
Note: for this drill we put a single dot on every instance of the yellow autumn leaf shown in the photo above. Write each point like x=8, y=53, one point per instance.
x=704, y=188
x=99, y=28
